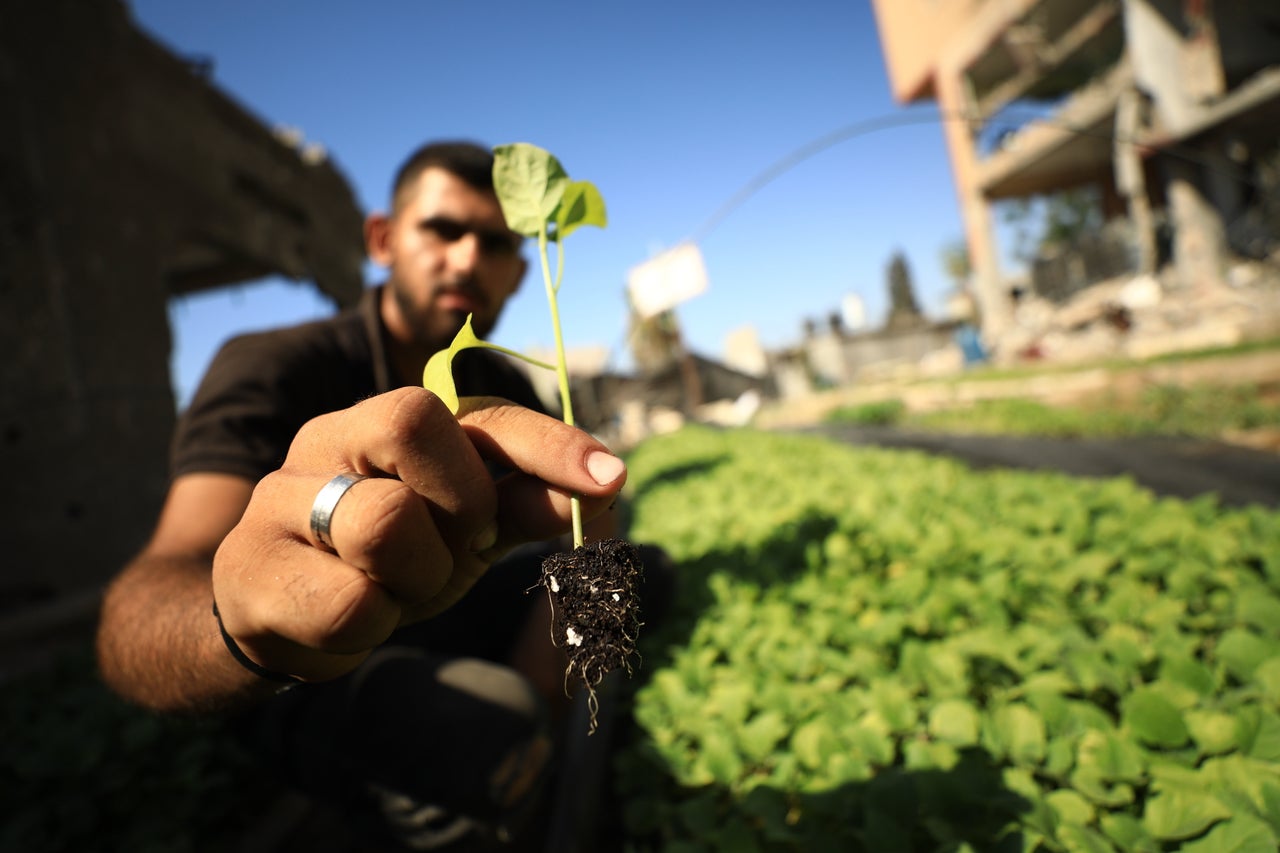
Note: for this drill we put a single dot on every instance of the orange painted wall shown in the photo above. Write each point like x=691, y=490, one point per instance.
x=912, y=36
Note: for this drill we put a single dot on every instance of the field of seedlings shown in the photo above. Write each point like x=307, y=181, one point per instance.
x=872, y=650
x=878, y=650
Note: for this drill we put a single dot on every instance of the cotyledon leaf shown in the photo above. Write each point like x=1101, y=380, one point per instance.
x=437, y=376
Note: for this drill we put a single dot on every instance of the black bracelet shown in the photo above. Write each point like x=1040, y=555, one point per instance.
x=245, y=661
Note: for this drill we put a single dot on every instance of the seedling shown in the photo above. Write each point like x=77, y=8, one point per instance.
x=593, y=589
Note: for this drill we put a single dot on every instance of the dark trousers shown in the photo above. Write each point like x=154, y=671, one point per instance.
x=406, y=745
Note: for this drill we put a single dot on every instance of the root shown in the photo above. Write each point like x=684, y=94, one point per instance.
x=595, y=603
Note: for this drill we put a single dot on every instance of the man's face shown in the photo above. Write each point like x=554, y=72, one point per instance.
x=448, y=253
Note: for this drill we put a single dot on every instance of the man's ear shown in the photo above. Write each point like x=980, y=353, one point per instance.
x=377, y=238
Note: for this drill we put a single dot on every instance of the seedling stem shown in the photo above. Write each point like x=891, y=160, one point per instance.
x=535, y=193
x=562, y=368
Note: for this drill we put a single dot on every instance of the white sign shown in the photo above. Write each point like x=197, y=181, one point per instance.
x=662, y=283
x=853, y=312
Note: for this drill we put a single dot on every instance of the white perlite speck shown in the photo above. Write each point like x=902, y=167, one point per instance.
x=572, y=637
x=555, y=587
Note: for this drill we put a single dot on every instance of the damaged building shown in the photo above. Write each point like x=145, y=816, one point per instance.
x=1166, y=109
x=126, y=179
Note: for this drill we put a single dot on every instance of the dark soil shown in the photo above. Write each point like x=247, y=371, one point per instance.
x=594, y=596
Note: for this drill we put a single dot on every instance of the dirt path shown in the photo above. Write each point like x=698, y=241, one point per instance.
x=1182, y=468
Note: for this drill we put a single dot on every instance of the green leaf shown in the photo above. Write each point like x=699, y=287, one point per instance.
x=1086, y=715
x=1126, y=645
x=929, y=755
x=1021, y=732
x=1213, y=731
x=894, y=705
x=530, y=183
x=1179, y=813
x=812, y=742
x=1059, y=757
x=1260, y=610
x=1179, y=695
x=1113, y=758
x=1267, y=676
x=1038, y=822
x=1259, y=733
x=1167, y=775
x=945, y=672
x=729, y=702
x=1153, y=719
x=1270, y=809
x=718, y=758
x=1242, y=651
x=1189, y=673
x=581, y=205
x=848, y=767
x=1080, y=839
x=1245, y=785
x=1093, y=671
x=1128, y=833
x=1070, y=806
x=1020, y=780
x=873, y=744
x=437, y=376
x=954, y=721
x=1241, y=834
x=759, y=736
x=1041, y=686
x=1091, y=784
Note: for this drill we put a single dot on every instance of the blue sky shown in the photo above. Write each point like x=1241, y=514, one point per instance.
x=670, y=108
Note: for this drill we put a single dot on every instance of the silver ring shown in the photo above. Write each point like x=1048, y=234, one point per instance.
x=327, y=501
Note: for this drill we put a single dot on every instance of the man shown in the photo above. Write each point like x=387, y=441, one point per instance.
x=331, y=525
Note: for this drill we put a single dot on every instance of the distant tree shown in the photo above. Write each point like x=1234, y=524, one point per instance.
x=1019, y=215
x=1071, y=214
x=961, y=304
x=904, y=311
x=955, y=263
x=1050, y=221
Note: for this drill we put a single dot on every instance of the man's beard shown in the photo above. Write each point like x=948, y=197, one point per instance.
x=438, y=339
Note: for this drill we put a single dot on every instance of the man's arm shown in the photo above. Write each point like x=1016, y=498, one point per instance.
x=158, y=643
x=406, y=543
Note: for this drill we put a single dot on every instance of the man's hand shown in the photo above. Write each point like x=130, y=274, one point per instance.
x=408, y=542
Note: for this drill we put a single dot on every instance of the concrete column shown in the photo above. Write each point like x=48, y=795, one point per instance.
x=1155, y=46
x=1130, y=178
x=1224, y=179
x=995, y=310
x=1199, y=238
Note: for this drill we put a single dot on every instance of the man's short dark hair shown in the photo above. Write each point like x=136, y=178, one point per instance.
x=470, y=161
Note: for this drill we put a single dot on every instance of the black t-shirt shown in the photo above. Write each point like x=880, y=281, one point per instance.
x=262, y=387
